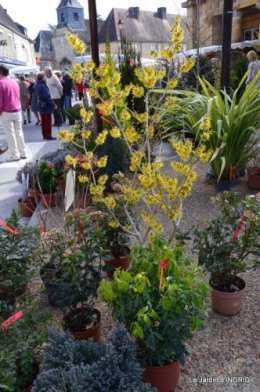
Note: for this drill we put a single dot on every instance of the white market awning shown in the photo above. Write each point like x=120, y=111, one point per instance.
x=25, y=69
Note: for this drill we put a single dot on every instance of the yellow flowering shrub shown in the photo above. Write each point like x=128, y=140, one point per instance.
x=149, y=189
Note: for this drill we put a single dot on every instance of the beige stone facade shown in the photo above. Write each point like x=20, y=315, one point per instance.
x=204, y=24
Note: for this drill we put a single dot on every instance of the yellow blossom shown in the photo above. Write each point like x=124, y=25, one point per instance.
x=172, y=83
x=86, y=165
x=69, y=137
x=136, y=160
x=186, y=67
x=89, y=154
x=141, y=117
x=102, y=162
x=132, y=135
x=86, y=135
x=82, y=178
x=114, y=224
x=62, y=134
x=103, y=179
x=101, y=138
x=125, y=115
x=85, y=115
x=70, y=160
x=115, y=132
x=110, y=202
x=77, y=67
x=96, y=190
x=89, y=66
x=138, y=91
x=205, y=124
x=150, y=132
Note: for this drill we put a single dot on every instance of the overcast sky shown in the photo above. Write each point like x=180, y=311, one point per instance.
x=36, y=14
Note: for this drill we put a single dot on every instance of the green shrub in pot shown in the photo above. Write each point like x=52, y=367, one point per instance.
x=161, y=312
x=229, y=243
x=70, y=365
x=30, y=168
x=20, y=346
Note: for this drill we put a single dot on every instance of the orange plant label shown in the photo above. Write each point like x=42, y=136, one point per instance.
x=12, y=319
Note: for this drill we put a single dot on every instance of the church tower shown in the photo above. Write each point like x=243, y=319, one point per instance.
x=70, y=14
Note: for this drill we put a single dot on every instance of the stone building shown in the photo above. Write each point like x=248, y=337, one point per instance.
x=51, y=47
x=16, y=48
x=146, y=29
x=207, y=16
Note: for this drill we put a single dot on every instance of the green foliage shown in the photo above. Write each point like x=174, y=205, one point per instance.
x=239, y=66
x=115, y=150
x=161, y=320
x=16, y=253
x=47, y=174
x=205, y=71
x=20, y=348
x=219, y=251
x=74, y=263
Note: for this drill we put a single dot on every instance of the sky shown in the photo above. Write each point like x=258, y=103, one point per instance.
x=36, y=14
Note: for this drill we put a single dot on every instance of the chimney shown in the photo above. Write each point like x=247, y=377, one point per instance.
x=5, y=10
x=135, y=12
x=162, y=12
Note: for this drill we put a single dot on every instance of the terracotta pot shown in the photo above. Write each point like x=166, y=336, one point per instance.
x=253, y=179
x=94, y=333
x=27, y=208
x=227, y=304
x=12, y=290
x=61, y=184
x=35, y=194
x=164, y=378
x=121, y=262
x=49, y=200
x=81, y=201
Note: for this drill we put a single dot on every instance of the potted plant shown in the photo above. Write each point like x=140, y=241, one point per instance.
x=20, y=345
x=57, y=157
x=253, y=174
x=160, y=302
x=26, y=204
x=47, y=184
x=73, y=113
x=112, y=367
x=30, y=169
x=227, y=127
x=82, y=166
x=16, y=256
x=227, y=245
x=74, y=265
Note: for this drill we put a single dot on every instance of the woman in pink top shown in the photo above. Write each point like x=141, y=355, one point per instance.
x=10, y=112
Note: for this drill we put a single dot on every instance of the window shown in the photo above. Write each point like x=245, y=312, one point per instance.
x=154, y=47
x=76, y=16
x=250, y=35
x=62, y=18
x=10, y=45
x=2, y=48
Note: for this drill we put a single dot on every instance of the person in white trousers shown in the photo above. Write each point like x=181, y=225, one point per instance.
x=10, y=112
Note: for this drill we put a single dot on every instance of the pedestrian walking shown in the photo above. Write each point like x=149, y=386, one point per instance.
x=34, y=106
x=25, y=97
x=46, y=106
x=80, y=88
x=253, y=66
x=56, y=92
x=10, y=112
x=59, y=75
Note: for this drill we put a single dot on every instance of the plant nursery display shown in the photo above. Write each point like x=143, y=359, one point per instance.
x=20, y=346
x=70, y=365
x=160, y=302
x=227, y=245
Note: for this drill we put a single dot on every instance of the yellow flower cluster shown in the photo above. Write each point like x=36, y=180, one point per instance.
x=101, y=138
x=136, y=160
x=106, y=108
x=138, y=91
x=131, y=194
x=115, y=132
x=114, y=224
x=85, y=115
x=147, y=76
x=96, y=190
x=202, y=153
x=205, y=124
x=183, y=150
x=77, y=67
x=125, y=115
x=89, y=66
x=170, y=102
x=187, y=66
x=78, y=45
x=103, y=179
x=157, y=227
x=141, y=117
x=132, y=135
x=66, y=136
x=86, y=135
x=167, y=53
x=102, y=162
x=110, y=202
x=83, y=179
x=70, y=160
x=150, y=132
x=172, y=83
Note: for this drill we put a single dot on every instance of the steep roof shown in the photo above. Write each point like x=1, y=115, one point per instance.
x=139, y=26
x=43, y=44
x=69, y=3
x=8, y=22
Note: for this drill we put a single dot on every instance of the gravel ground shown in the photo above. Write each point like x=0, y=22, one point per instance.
x=227, y=347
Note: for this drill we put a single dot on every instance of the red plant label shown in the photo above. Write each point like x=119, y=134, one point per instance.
x=12, y=319
x=8, y=228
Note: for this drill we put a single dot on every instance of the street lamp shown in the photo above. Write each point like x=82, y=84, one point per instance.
x=120, y=25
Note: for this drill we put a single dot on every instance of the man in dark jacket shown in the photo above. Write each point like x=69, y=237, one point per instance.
x=46, y=106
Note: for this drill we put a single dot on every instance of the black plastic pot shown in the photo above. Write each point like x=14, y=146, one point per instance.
x=53, y=290
x=224, y=185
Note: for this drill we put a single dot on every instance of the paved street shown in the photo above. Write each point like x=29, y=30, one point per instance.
x=10, y=189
